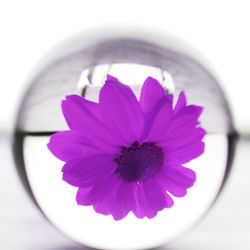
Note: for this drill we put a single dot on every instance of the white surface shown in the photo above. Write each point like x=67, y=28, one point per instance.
x=219, y=29
x=227, y=226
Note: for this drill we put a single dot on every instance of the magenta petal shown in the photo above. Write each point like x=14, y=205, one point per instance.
x=170, y=185
x=155, y=195
x=77, y=111
x=82, y=194
x=151, y=198
x=182, y=137
x=190, y=110
x=169, y=200
x=118, y=202
x=158, y=122
x=105, y=205
x=108, y=197
x=186, y=153
x=84, y=116
x=125, y=201
x=143, y=208
x=108, y=205
x=183, y=128
x=151, y=93
x=184, y=122
x=125, y=196
x=99, y=192
x=182, y=176
x=67, y=145
x=106, y=202
x=121, y=112
x=89, y=170
x=181, y=102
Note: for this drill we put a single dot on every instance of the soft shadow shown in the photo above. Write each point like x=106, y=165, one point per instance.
x=75, y=248
x=161, y=248
x=79, y=247
x=72, y=247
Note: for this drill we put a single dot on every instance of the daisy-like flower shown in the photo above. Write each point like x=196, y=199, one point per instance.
x=127, y=155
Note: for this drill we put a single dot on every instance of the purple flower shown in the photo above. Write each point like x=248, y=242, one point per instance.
x=127, y=155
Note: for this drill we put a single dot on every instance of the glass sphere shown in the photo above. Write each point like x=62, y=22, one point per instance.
x=80, y=66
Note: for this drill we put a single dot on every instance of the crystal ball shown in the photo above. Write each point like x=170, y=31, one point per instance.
x=80, y=66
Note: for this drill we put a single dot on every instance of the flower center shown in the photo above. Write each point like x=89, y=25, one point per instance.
x=139, y=162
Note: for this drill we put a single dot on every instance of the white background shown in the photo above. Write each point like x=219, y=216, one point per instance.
x=218, y=29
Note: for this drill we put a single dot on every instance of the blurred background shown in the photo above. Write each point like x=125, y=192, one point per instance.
x=218, y=29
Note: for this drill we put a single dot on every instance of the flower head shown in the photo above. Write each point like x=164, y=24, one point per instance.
x=127, y=155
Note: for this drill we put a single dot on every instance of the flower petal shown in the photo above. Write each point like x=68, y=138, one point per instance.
x=186, y=153
x=182, y=137
x=190, y=110
x=170, y=185
x=77, y=111
x=106, y=203
x=84, y=116
x=125, y=196
x=151, y=198
x=186, y=118
x=89, y=170
x=110, y=196
x=68, y=145
x=182, y=176
x=82, y=194
x=151, y=93
x=99, y=192
x=121, y=112
x=143, y=209
x=118, y=202
x=183, y=128
x=158, y=121
x=181, y=102
x=155, y=195
x=125, y=201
